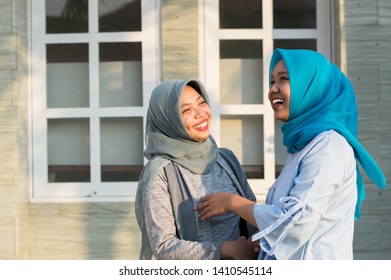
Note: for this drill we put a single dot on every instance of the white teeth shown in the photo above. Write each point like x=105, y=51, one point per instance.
x=201, y=125
x=277, y=100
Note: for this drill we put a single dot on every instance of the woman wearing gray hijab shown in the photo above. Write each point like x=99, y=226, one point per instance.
x=185, y=164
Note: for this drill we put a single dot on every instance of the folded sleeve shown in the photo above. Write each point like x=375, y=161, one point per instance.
x=281, y=222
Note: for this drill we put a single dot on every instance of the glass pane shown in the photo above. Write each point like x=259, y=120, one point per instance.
x=121, y=149
x=240, y=14
x=66, y=16
x=295, y=44
x=119, y=15
x=281, y=153
x=120, y=71
x=67, y=75
x=241, y=72
x=244, y=136
x=294, y=14
x=68, y=150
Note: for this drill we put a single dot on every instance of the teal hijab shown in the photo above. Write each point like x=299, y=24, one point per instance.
x=322, y=98
x=167, y=141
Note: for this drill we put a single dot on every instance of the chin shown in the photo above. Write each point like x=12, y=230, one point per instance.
x=200, y=139
x=281, y=117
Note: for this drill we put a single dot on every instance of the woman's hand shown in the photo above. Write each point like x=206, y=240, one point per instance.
x=215, y=204
x=240, y=249
x=224, y=202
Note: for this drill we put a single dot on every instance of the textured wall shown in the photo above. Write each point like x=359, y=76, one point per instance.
x=366, y=39
x=13, y=130
x=179, y=39
x=83, y=231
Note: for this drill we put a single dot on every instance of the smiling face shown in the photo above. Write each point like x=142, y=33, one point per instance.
x=196, y=114
x=280, y=91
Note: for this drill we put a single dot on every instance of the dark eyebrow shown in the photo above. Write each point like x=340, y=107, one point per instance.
x=196, y=100
x=281, y=73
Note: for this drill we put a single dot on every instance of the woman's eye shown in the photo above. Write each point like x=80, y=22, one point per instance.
x=202, y=103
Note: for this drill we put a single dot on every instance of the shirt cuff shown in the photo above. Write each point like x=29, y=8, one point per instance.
x=292, y=211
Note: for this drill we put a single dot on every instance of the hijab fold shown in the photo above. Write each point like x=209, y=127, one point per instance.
x=322, y=98
x=167, y=140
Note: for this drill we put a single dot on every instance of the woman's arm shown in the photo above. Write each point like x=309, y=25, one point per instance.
x=224, y=202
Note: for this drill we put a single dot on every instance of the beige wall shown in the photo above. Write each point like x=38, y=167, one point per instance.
x=109, y=230
x=366, y=59
x=13, y=130
x=179, y=39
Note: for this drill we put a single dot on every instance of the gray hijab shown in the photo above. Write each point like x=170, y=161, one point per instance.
x=166, y=134
x=167, y=141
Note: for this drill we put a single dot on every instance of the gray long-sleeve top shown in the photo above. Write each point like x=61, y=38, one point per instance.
x=160, y=220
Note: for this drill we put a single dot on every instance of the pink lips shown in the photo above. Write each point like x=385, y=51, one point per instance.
x=202, y=126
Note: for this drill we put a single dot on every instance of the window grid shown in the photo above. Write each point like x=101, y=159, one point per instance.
x=95, y=190
x=210, y=38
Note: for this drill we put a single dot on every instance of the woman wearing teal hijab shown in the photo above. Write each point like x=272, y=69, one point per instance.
x=310, y=210
x=184, y=164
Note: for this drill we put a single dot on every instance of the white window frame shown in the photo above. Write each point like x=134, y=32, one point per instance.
x=210, y=35
x=95, y=190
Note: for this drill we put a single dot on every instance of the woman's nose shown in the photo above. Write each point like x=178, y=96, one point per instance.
x=274, y=88
x=199, y=113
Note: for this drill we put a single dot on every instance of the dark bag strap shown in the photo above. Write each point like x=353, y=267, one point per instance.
x=182, y=204
x=234, y=164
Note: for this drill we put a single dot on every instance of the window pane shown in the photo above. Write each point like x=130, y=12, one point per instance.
x=120, y=71
x=281, y=153
x=121, y=149
x=69, y=150
x=66, y=16
x=294, y=14
x=295, y=44
x=244, y=136
x=240, y=14
x=119, y=15
x=67, y=75
x=241, y=72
